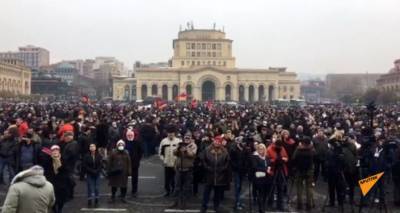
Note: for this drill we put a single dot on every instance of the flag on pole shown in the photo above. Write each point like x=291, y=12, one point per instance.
x=181, y=97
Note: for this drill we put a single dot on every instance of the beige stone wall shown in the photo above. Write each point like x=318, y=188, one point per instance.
x=15, y=78
x=258, y=85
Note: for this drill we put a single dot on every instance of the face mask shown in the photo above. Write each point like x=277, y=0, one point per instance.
x=120, y=148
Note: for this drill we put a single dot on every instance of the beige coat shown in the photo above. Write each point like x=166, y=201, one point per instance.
x=29, y=192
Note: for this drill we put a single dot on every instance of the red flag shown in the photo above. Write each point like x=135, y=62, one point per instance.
x=194, y=103
x=181, y=97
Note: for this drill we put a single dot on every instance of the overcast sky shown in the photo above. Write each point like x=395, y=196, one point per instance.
x=307, y=36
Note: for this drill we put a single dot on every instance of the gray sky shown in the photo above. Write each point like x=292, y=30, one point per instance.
x=307, y=36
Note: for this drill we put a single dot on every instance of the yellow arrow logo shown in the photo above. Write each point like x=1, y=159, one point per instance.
x=367, y=183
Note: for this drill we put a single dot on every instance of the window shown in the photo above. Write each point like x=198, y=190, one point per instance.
x=208, y=54
x=208, y=46
x=198, y=63
x=198, y=46
x=291, y=97
x=193, y=54
x=209, y=62
x=198, y=54
x=187, y=46
x=214, y=46
x=203, y=46
x=193, y=63
x=214, y=54
x=193, y=46
x=204, y=62
x=183, y=63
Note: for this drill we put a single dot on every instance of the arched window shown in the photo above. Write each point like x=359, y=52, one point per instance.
x=189, y=90
x=261, y=95
x=241, y=93
x=175, y=91
x=154, y=90
x=251, y=93
x=228, y=92
x=144, y=91
x=164, y=92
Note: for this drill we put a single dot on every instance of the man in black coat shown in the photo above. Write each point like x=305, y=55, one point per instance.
x=135, y=150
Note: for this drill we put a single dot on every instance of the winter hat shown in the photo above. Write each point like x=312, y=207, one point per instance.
x=219, y=139
x=121, y=142
x=54, y=147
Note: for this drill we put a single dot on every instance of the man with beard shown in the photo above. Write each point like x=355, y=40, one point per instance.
x=135, y=153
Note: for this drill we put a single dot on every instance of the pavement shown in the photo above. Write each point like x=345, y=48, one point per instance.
x=150, y=197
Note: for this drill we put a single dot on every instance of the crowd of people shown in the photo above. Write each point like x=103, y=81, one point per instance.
x=276, y=149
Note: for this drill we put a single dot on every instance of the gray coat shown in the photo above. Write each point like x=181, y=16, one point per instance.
x=29, y=192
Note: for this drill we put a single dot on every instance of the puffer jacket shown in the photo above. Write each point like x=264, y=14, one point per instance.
x=216, y=163
x=29, y=192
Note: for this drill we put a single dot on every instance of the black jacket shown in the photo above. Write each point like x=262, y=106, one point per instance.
x=17, y=155
x=92, y=167
x=69, y=155
x=7, y=146
x=239, y=162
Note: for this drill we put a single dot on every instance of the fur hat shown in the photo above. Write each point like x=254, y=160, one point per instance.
x=121, y=142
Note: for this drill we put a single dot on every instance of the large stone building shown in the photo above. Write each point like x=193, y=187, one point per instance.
x=390, y=82
x=204, y=68
x=15, y=78
x=32, y=56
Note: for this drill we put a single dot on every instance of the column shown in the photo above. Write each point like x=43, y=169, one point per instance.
x=256, y=93
x=246, y=93
x=138, y=92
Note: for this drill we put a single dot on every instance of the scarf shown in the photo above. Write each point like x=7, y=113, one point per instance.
x=56, y=163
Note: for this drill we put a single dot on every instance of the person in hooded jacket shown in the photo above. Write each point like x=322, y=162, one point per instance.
x=303, y=159
x=216, y=162
x=29, y=192
x=119, y=168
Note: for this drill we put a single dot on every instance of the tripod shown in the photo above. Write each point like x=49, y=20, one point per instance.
x=279, y=173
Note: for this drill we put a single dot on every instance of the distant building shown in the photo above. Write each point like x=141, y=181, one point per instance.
x=48, y=85
x=15, y=78
x=313, y=91
x=339, y=85
x=88, y=67
x=124, y=89
x=32, y=56
x=391, y=80
x=203, y=67
x=66, y=72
